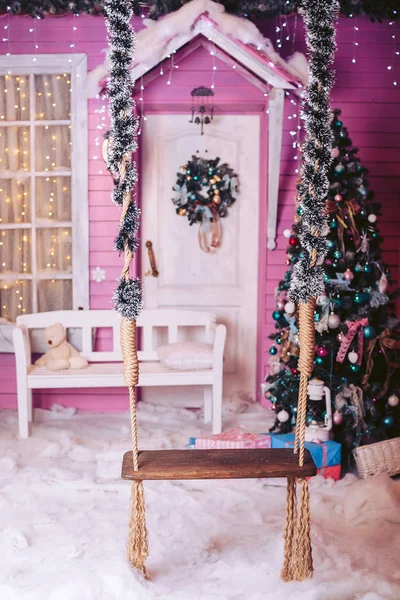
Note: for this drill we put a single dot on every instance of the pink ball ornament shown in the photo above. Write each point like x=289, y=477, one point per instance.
x=372, y=218
x=348, y=275
x=280, y=305
x=353, y=357
x=338, y=198
x=335, y=152
x=287, y=233
x=273, y=407
x=322, y=351
x=337, y=418
x=393, y=400
x=290, y=307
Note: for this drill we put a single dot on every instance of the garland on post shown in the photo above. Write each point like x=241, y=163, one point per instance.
x=307, y=278
x=128, y=295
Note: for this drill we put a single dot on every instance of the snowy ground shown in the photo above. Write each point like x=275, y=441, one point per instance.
x=64, y=510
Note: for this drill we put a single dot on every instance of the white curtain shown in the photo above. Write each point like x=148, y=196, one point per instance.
x=52, y=101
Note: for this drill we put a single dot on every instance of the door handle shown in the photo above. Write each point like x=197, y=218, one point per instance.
x=152, y=259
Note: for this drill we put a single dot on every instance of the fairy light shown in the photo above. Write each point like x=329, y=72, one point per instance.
x=355, y=42
x=396, y=53
x=141, y=100
x=214, y=66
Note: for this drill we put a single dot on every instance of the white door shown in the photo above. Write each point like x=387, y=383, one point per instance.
x=223, y=281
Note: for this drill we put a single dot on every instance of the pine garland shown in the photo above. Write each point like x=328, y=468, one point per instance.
x=308, y=275
x=375, y=9
x=122, y=143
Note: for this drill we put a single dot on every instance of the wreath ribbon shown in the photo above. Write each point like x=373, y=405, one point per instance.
x=385, y=343
x=215, y=232
x=345, y=211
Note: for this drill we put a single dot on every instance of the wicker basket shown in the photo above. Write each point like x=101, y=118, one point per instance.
x=382, y=457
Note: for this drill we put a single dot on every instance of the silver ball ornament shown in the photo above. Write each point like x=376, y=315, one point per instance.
x=372, y=218
x=393, y=400
x=333, y=321
x=287, y=233
x=283, y=416
x=290, y=307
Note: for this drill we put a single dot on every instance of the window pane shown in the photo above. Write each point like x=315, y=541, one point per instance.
x=54, y=250
x=55, y=294
x=14, y=98
x=15, y=200
x=14, y=151
x=53, y=198
x=15, y=251
x=15, y=298
x=53, y=148
x=53, y=97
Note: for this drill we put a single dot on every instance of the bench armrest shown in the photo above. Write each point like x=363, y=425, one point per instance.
x=219, y=346
x=22, y=348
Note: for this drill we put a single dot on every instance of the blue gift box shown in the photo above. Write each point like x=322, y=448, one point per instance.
x=326, y=454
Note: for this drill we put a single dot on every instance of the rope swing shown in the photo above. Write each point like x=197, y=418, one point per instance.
x=307, y=283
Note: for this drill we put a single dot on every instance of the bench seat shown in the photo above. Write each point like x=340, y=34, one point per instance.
x=111, y=375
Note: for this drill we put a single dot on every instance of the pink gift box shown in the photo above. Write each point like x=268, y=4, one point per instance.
x=233, y=438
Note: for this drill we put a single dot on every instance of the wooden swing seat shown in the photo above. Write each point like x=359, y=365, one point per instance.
x=217, y=464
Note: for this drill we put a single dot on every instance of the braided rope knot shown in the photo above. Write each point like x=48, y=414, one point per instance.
x=129, y=354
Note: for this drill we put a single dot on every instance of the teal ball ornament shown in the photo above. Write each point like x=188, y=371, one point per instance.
x=333, y=224
x=319, y=361
x=330, y=244
x=278, y=341
x=337, y=254
x=358, y=268
x=309, y=419
x=338, y=123
x=326, y=278
x=367, y=268
x=374, y=235
x=388, y=421
x=273, y=350
x=355, y=368
x=369, y=332
x=339, y=169
x=358, y=298
x=300, y=211
x=276, y=315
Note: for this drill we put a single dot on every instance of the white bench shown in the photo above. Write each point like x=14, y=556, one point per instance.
x=105, y=368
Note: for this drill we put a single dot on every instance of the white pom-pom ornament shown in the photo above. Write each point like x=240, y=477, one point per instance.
x=287, y=233
x=372, y=218
x=290, y=307
x=353, y=357
x=393, y=400
x=283, y=416
x=333, y=321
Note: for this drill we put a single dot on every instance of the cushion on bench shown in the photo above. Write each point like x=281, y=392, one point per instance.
x=186, y=356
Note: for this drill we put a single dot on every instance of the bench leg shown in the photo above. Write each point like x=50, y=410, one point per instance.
x=207, y=403
x=217, y=405
x=24, y=411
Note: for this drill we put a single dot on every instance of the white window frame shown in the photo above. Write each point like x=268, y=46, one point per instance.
x=76, y=66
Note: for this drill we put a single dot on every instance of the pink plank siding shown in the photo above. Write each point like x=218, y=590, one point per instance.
x=364, y=91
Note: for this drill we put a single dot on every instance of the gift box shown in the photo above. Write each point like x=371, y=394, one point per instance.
x=332, y=472
x=325, y=454
x=233, y=438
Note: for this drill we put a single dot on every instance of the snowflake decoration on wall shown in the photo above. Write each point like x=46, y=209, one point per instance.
x=98, y=275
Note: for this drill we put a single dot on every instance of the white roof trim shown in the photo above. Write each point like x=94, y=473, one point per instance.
x=206, y=27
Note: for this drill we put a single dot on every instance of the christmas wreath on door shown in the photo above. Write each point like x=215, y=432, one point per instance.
x=204, y=190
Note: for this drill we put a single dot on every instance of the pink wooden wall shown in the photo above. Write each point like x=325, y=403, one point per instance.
x=364, y=91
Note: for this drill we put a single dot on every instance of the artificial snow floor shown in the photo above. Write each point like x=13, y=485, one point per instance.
x=64, y=510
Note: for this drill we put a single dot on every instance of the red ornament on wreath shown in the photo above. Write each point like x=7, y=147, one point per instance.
x=293, y=240
x=204, y=190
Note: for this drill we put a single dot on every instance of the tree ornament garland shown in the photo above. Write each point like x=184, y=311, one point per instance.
x=204, y=191
x=128, y=295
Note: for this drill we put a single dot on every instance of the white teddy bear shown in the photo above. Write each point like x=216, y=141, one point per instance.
x=61, y=354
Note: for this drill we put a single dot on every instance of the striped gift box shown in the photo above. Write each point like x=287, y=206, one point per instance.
x=233, y=438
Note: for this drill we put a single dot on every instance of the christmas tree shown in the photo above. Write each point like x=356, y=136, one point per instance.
x=357, y=353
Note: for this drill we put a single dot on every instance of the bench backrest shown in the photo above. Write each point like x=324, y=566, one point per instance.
x=155, y=327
